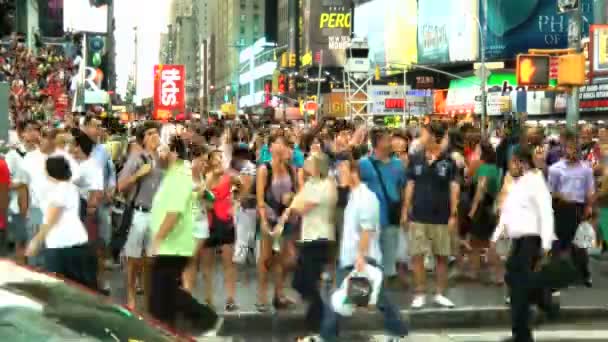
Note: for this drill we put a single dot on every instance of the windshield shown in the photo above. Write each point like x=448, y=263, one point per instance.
x=54, y=311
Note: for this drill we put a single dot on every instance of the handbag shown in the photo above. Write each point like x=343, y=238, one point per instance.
x=120, y=235
x=394, y=208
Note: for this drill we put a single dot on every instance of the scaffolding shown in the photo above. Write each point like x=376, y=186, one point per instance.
x=357, y=77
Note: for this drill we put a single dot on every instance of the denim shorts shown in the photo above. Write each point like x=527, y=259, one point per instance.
x=138, y=240
x=17, y=228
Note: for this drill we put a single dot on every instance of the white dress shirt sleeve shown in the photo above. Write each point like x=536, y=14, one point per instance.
x=543, y=200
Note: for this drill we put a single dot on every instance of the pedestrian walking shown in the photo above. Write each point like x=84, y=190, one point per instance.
x=527, y=217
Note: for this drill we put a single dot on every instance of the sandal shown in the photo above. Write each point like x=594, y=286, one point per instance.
x=262, y=308
x=231, y=306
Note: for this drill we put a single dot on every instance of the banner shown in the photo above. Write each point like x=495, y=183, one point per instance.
x=169, y=91
x=447, y=31
x=515, y=26
x=594, y=98
x=327, y=28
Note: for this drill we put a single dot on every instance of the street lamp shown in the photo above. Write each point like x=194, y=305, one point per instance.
x=483, y=76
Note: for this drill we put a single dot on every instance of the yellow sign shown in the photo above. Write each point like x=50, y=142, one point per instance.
x=228, y=109
x=602, y=40
x=335, y=20
x=306, y=59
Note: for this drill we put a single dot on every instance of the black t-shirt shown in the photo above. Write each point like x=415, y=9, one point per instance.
x=431, y=200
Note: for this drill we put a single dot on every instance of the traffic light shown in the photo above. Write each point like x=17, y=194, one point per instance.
x=533, y=70
x=571, y=70
x=292, y=60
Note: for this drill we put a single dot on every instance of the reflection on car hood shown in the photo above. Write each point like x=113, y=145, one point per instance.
x=34, y=308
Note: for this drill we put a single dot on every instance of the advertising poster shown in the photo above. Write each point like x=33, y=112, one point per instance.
x=169, y=92
x=447, y=31
x=598, y=46
x=82, y=16
x=514, y=26
x=390, y=27
x=327, y=28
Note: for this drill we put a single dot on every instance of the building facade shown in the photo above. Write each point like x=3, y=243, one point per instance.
x=237, y=24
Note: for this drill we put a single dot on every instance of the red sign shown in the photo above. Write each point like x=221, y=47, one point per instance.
x=394, y=103
x=169, y=91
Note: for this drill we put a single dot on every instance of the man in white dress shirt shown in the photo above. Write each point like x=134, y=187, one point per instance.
x=527, y=218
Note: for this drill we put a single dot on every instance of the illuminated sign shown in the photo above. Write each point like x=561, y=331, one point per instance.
x=394, y=103
x=598, y=50
x=533, y=70
x=169, y=92
x=267, y=92
x=334, y=20
x=266, y=69
x=282, y=84
x=326, y=26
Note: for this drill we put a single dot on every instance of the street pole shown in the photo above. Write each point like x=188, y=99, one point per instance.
x=575, y=27
x=319, y=84
x=404, y=97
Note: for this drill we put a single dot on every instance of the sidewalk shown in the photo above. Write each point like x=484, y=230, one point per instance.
x=476, y=305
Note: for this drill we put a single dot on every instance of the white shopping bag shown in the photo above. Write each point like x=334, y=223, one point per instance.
x=245, y=234
x=585, y=236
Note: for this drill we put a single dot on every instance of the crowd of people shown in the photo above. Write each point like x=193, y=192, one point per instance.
x=40, y=81
x=334, y=198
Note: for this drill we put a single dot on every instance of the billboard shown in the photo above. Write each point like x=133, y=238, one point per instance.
x=82, y=16
x=169, y=91
x=447, y=31
x=514, y=26
x=390, y=27
x=327, y=28
x=598, y=50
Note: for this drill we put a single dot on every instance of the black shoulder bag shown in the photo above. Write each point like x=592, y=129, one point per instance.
x=394, y=208
x=119, y=238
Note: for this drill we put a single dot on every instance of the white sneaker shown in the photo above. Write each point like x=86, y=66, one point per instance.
x=216, y=328
x=443, y=301
x=418, y=302
x=311, y=338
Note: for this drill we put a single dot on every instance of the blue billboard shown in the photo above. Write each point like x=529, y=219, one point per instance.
x=514, y=26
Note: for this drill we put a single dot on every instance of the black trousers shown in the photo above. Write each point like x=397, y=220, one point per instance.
x=313, y=256
x=568, y=216
x=167, y=298
x=525, y=285
x=77, y=263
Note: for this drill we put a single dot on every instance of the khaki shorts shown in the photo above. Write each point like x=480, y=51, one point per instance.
x=429, y=238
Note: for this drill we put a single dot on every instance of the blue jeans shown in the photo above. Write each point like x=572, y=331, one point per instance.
x=393, y=324
x=389, y=243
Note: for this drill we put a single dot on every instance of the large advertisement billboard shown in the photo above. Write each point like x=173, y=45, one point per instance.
x=169, y=91
x=447, y=31
x=390, y=28
x=514, y=26
x=327, y=29
x=83, y=16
